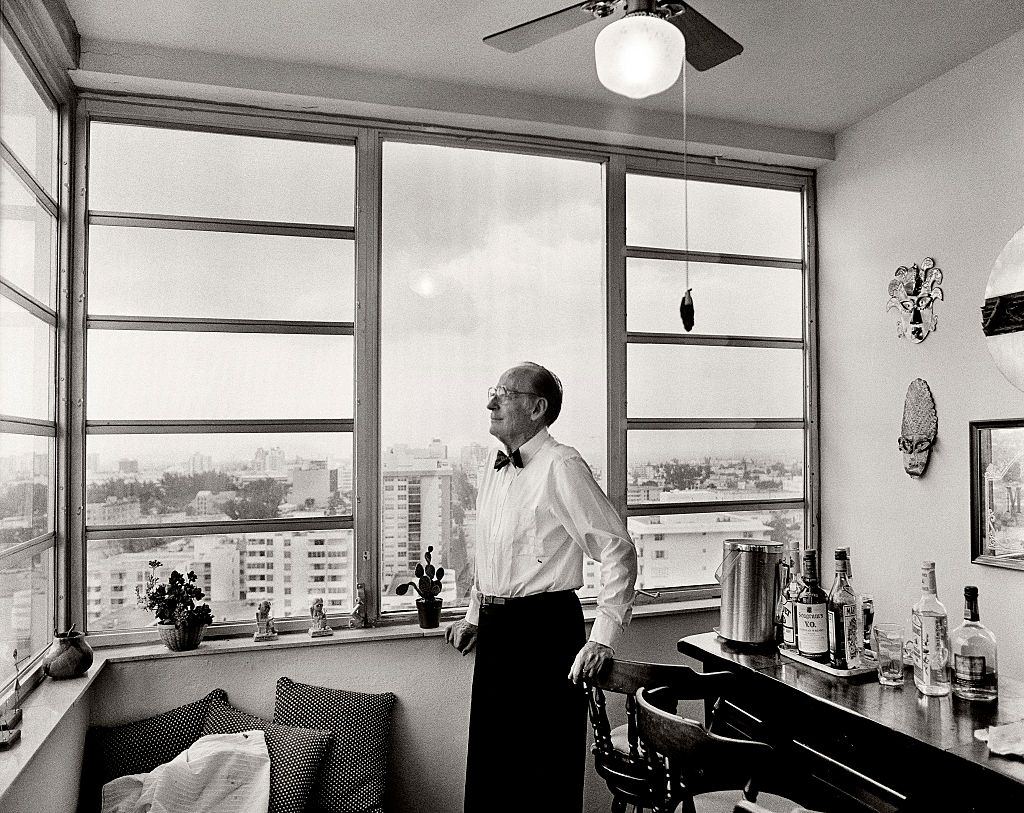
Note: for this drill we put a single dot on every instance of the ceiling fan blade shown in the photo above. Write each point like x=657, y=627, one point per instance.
x=522, y=36
x=707, y=45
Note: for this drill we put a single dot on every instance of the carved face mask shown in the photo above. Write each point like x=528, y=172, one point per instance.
x=912, y=294
x=920, y=427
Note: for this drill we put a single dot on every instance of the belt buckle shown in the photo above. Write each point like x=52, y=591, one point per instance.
x=492, y=601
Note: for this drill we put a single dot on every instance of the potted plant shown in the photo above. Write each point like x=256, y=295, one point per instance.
x=181, y=621
x=428, y=585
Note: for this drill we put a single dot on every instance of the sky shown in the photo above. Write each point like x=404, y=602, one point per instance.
x=488, y=259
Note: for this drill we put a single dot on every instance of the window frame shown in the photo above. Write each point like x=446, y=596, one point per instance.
x=39, y=63
x=368, y=136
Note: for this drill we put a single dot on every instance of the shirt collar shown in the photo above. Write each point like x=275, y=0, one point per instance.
x=533, y=445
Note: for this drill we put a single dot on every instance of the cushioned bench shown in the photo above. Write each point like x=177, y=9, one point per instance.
x=328, y=747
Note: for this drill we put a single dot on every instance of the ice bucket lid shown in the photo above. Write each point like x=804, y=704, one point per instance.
x=756, y=545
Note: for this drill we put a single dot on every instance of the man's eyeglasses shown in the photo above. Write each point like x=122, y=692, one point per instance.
x=501, y=393
x=913, y=444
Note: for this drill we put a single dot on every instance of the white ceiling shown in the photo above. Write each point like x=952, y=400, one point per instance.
x=810, y=65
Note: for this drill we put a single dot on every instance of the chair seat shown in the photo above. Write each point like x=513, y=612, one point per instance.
x=620, y=739
x=724, y=801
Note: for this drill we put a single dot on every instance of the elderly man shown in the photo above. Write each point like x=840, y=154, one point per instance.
x=539, y=511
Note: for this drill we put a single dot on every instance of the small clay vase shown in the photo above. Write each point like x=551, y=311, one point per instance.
x=69, y=656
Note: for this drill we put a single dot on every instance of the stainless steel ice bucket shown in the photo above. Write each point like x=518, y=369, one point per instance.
x=750, y=589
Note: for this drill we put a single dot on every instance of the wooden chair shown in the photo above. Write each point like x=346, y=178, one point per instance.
x=702, y=771
x=618, y=758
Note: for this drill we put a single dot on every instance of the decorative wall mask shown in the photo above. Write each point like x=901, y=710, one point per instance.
x=920, y=426
x=1002, y=315
x=912, y=293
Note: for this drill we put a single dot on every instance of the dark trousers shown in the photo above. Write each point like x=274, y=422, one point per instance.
x=527, y=724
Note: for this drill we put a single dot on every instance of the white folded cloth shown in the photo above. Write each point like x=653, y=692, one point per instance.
x=219, y=773
x=1003, y=739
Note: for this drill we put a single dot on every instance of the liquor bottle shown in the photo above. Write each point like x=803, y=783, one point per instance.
x=867, y=614
x=811, y=621
x=788, y=599
x=931, y=637
x=844, y=635
x=975, y=673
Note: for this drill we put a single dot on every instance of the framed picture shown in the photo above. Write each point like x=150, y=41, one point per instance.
x=997, y=484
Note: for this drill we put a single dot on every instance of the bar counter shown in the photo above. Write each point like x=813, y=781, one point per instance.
x=861, y=746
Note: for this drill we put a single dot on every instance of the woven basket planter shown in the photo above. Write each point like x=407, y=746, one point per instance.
x=181, y=639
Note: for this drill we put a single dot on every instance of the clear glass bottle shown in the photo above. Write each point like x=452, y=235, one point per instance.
x=811, y=619
x=931, y=637
x=788, y=599
x=975, y=672
x=843, y=608
x=867, y=614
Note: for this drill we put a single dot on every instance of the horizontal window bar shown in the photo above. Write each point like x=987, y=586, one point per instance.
x=204, y=427
x=255, y=526
x=154, y=221
x=713, y=423
x=649, y=253
x=27, y=426
x=665, y=508
x=219, y=325
x=30, y=547
x=26, y=178
x=635, y=337
x=28, y=302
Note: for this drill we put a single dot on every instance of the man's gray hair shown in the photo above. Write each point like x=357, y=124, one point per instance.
x=547, y=385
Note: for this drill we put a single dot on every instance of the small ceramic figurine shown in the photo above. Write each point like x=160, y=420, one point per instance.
x=265, y=629
x=319, y=628
x=10, y=713
x=920, y=427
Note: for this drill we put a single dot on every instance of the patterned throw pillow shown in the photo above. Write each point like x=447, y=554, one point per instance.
x=296, y=754
x=354, y=773
x=141, y=746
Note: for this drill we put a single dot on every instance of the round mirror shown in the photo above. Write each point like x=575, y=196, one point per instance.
x=1002, y=315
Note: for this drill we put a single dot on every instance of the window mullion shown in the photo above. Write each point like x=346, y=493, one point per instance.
x=615, y=244
x=367, y=368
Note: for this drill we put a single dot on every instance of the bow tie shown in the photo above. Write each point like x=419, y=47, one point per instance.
x=503, y=460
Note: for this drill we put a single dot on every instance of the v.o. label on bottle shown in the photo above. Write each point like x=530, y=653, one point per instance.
x=812, y=629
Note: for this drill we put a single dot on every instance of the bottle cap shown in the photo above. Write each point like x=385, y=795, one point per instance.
x=841, y=554
x=927, y=565
x=970, y=591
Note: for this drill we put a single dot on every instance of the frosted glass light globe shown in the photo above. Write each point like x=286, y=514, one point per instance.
x=639, y=55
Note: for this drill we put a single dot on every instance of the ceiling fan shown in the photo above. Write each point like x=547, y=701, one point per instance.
x=707, y=45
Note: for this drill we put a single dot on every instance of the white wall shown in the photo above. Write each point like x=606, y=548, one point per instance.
x=938, y=174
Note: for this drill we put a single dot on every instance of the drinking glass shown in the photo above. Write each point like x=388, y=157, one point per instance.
x=888, y=641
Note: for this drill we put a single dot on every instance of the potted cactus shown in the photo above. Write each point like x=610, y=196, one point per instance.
x=428, y=586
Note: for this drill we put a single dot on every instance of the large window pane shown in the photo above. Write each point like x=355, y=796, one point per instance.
x=27, y=473
x=199, y=174
x=156, y=272
x=724, y=218
x=26, y=607
x=686, y=549
x=28, y=240
x=731, y=300
x=488, y=259
x=168, y=374
x=235, y=571
x=28, y=125
x=688, y=381
x=26, y=364
x=699, y=465
x=136, y=479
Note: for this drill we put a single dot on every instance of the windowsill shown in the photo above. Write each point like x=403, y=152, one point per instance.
x=44, y=709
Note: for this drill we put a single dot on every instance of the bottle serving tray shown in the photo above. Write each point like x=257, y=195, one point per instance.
x=824, y=667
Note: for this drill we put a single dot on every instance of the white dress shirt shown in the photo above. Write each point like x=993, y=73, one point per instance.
x=534, y=526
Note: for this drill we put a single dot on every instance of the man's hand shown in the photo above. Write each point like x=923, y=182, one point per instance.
x=590, y=661
x=461, y=635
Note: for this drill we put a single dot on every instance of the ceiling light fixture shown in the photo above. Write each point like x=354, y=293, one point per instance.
x=640, y=54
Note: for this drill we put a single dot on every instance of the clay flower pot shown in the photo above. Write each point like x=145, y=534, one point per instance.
x=181, y=639
x=429, y=611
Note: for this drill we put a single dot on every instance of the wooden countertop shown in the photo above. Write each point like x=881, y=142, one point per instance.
x=946, y=724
